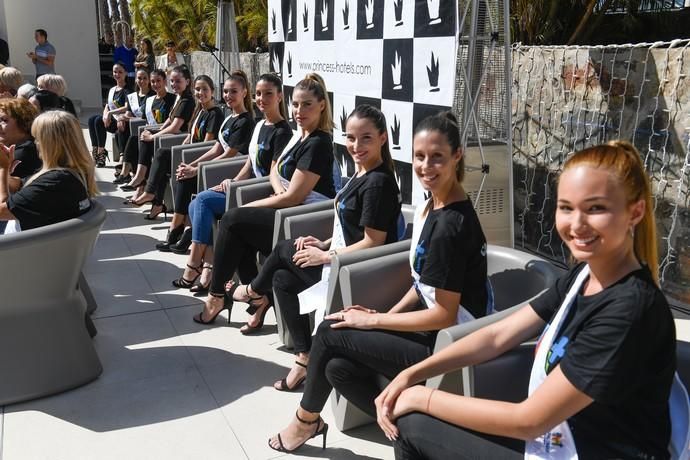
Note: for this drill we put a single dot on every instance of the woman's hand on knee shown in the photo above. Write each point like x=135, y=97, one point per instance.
x=310, y=257
x=397, y=399
x=356, y=317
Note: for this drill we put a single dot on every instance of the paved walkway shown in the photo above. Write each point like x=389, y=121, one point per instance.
x=171, y=389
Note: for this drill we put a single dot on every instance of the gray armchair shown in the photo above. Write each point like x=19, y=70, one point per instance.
x=184, y=153
x=212, y=173
x=45, y=347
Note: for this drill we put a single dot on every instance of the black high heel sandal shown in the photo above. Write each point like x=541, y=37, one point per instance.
x=249, y=330
x=101, y=158
x=227, y=305
x=183, y=243
x=183, y=283
x=132, y=187
x=172, y=238
x=152, y=215
x=200, y=288
x=317, y=432
x=283, y=385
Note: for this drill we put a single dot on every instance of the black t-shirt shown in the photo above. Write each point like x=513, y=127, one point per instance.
x=28, y=155
x=142, y=101
x=617, y=347
x=120, y=96
x=271, y=142
x=313, y=154
x=208, y=121
x=52, y=197
x=161, y=107
x=237, y=132
x=184, y=108
x=371, y=200
x=451, y=254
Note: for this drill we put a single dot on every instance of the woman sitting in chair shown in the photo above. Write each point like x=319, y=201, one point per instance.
x=265, y=143
x=233, y=138
x=303, y=174
x=63, y=187
x=448, y=267
x=605, y=361
x=367, y=213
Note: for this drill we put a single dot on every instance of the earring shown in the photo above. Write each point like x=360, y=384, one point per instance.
x=632, y=232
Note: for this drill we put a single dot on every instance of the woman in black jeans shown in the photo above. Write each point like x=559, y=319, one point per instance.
x=233, y=138
x=448, y=267
x=367, y=212
x=176, y=122
x=303, y=174
x=157, y=109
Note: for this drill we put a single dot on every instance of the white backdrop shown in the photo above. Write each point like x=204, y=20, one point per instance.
x=398, y=55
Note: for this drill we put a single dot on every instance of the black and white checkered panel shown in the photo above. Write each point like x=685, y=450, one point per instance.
x=398, y=55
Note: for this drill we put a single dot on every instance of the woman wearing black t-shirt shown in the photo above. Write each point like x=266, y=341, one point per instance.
x=16, y=117
x=367, y=212
x=233, y=137
x=116, y=105
x=205, y=127
x=175, y=123
x=604, y=365
x=263, y=146
x=62, y=188
x=136, y=103
x=448, y=267
x=303, y=174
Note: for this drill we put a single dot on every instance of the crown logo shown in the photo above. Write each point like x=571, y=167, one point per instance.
x=275, y=59
x=346, y=16
x=343, y=121
x=369, y=13
x=290, y=19
x=395, y=133
x=273, y=20
x=324, y=16
x=432, y=73
x=396, y=69
x=289, y=108
x=398, y=9
x=433, y=7
x=305, y=18
x=289, y=64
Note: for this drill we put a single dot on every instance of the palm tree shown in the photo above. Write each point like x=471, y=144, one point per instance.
x=252, y=23
x=105, y=23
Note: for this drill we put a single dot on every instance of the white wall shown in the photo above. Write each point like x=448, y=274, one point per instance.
x=71, y=27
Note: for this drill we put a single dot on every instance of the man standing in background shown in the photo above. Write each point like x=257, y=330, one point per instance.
x=43, y=55
x=4, y=52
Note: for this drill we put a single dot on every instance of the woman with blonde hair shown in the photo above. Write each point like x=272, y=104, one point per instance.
x=63, y=187
x=10, y=81
x=56, y=84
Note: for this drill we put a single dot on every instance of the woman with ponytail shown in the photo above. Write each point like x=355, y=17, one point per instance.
x=265, y=143
x=448, y=267
x=303, y=174
x=605, y=362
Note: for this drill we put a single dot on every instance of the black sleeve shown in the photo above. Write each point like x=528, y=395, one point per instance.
x=241, y=134
x=446, y=263
x=280, y=139
x=314, y=156
x=184, y=109
x=604, y=360
x=380, y=205
x=213, y=122
x=548, y=303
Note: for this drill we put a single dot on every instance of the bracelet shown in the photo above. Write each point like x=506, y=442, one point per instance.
x=428, y=401
x=332, y=253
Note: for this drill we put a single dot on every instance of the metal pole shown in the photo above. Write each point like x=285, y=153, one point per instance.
x=509, y=110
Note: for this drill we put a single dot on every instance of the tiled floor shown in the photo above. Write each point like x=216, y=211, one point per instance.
x=170, y=389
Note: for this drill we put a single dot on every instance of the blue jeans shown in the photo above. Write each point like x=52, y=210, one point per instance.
x=208, y=206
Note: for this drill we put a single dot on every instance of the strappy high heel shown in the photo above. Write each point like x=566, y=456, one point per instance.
x=227, y=305
x=317, y=432
x=132, y=187
x=101, y=158
x=249, y=330
x=200, y=288
x=172, y=238
x=283, y=385
x=184, y=283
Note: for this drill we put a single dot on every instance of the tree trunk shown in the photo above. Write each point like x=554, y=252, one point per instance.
x=106, y=24
x=117, y=27
x=125, y=14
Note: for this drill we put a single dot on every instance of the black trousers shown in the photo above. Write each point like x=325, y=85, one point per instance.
x=131, y=151
x=352, y=361
x=145, y=153
x=428, y=438
x=97, y=130
x=121, y=138
x=184, y=190
x=159, y=174
x=241, y=233
x=288, y=280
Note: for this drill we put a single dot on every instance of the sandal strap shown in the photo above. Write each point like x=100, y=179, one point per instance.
x=191, y=267
x=216, y=295
x=300, y=364
x=306, y=422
